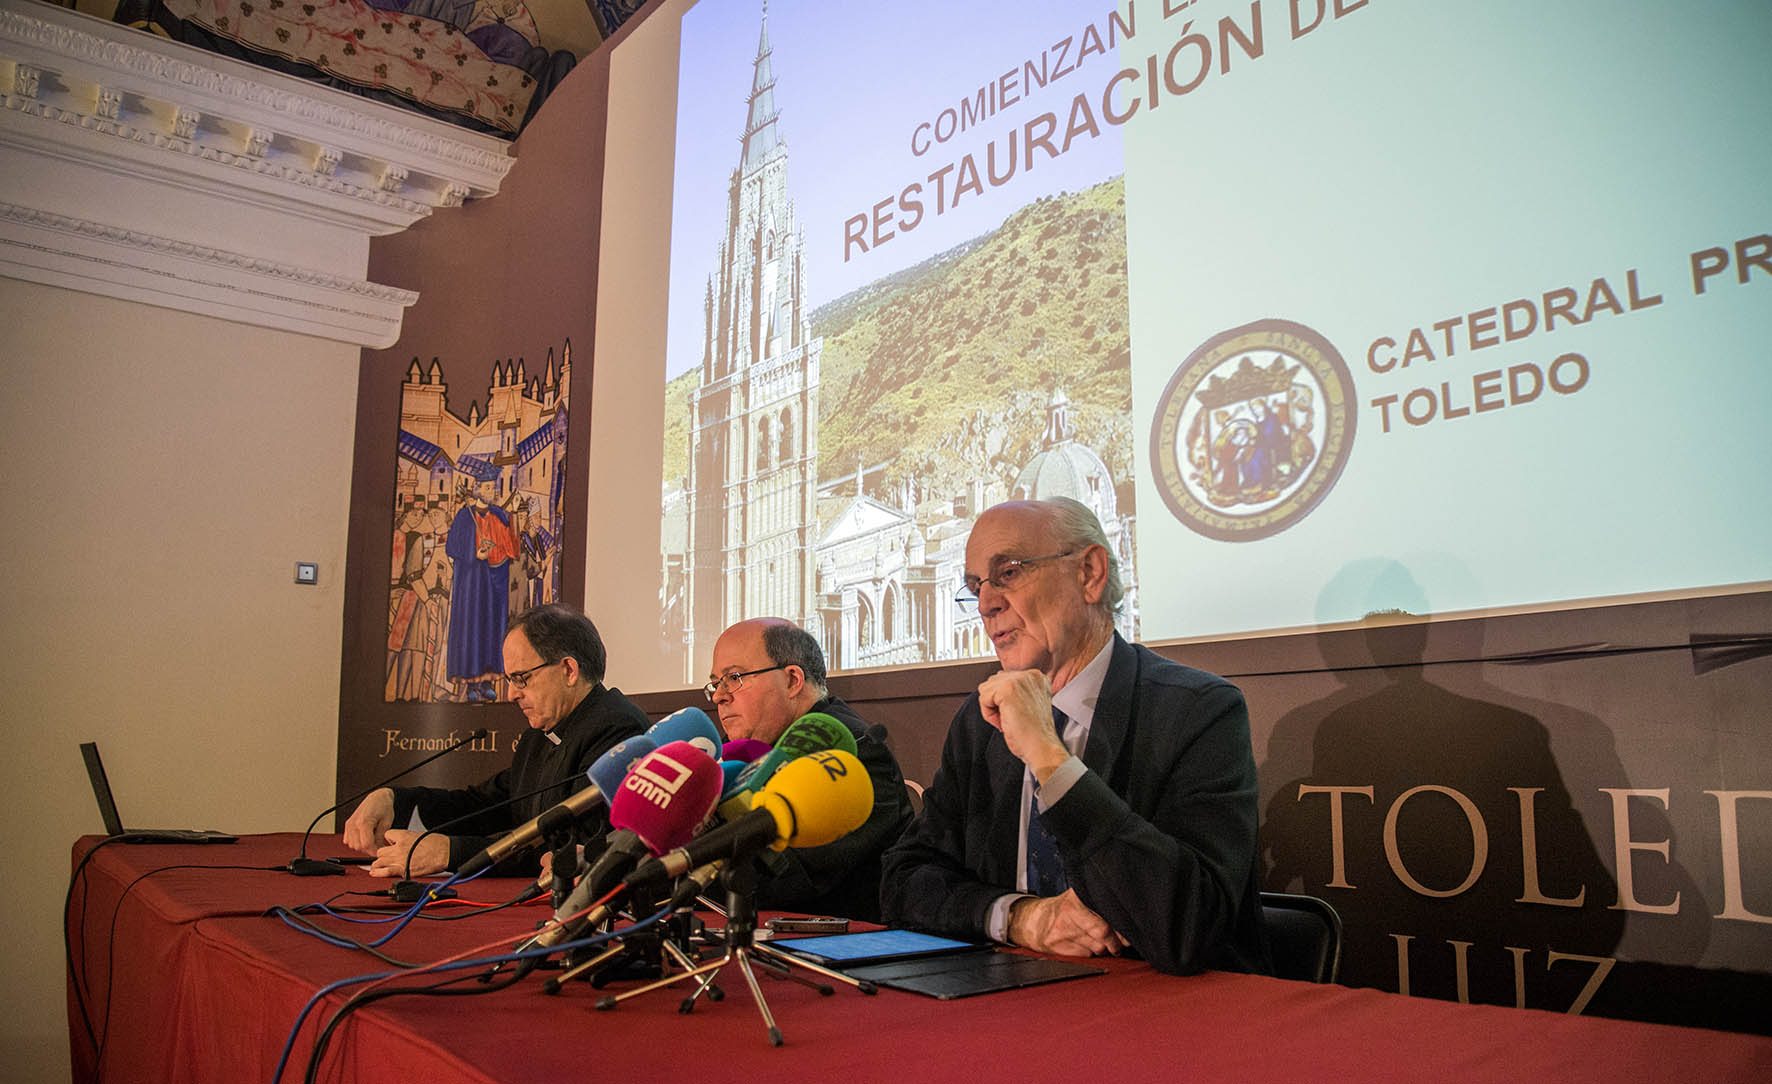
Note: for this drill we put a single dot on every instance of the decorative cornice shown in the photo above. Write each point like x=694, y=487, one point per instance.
x=158, y=62
x=63, y=250
x=141, y=168
x=381, y=207
x=73, y=69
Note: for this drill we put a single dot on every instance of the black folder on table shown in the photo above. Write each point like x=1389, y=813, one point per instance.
x=938, y=967
x=107, y=809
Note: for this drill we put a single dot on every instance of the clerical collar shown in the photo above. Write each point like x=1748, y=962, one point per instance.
x=552, y=733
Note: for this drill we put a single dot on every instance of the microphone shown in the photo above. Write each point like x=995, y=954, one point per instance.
x=735, y=791
x=691, y=725
x=605, y=775
x=811, y=733
x=808, y=803
x=695, y=884
x=744, y=750
x=730, y=769
x=667, y=796
x=656, y=809
x=610, y=769
x=303, y=866
x=815, y=732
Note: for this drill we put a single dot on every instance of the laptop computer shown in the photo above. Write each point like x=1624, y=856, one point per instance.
x=107, y=809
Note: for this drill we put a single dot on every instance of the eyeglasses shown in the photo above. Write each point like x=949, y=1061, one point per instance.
x=734, y=682
x=520, y=679
x=1009, y=575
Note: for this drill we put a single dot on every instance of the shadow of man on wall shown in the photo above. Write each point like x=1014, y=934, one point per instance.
x=1455, y=831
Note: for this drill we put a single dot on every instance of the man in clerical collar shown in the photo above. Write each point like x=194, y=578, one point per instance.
x=554, y=666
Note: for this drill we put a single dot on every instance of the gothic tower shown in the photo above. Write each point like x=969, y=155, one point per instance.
x=753, y=455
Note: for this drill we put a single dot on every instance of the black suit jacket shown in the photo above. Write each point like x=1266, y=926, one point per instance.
x=842, y=877
x=1158, y=836
x=602, y=719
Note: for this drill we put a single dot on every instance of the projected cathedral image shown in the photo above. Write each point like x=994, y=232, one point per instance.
x=829, y=461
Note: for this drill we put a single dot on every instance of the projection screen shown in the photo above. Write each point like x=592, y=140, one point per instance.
x=1286, y=292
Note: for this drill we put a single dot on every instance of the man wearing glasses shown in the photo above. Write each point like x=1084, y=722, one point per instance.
x=554, y=663
x=1093, y=796
x=767, y=673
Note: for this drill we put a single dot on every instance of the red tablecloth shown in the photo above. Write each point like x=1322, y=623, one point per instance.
x=207, y=988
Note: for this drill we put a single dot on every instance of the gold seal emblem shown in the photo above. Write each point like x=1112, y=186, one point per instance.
x=1253, y=430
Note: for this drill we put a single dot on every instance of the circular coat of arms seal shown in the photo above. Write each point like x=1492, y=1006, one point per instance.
x=1253, y=430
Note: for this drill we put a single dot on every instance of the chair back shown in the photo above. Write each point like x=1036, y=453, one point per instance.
x=913, y=790
x=1304, y=936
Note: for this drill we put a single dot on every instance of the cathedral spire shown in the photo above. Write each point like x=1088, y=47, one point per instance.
x=760, y=135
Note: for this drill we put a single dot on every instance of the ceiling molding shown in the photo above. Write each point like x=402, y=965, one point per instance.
x=94, y=257
x=146, y=169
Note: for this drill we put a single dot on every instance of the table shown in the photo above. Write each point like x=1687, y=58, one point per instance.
x=207, y=988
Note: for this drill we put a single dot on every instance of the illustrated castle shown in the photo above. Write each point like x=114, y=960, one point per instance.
x=519, y=443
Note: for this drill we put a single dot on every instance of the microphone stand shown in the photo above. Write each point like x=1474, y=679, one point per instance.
x=564, y=868
x=784, y=962
x=679, y=940
x=640, y=955
x=740, y=879
x=561, y=839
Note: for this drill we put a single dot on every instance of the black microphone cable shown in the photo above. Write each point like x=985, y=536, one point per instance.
x=406, y=890
x=419, y=894
x=303, y=866
x=111, y=947
x=366, y=996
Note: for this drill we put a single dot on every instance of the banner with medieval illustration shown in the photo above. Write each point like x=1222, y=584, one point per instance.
x=477, y=525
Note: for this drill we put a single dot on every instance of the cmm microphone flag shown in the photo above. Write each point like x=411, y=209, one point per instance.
x=667, y=796
x=658, y=806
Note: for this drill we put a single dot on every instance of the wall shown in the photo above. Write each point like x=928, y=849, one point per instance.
x=165, y=473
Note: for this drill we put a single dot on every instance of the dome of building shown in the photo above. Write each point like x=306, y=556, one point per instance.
x=1066, y=468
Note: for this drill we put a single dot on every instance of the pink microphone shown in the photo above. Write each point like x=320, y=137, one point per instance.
x=745, y=749
x=667, y=796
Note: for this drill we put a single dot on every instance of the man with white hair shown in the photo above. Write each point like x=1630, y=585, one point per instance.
x=1092, y=796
